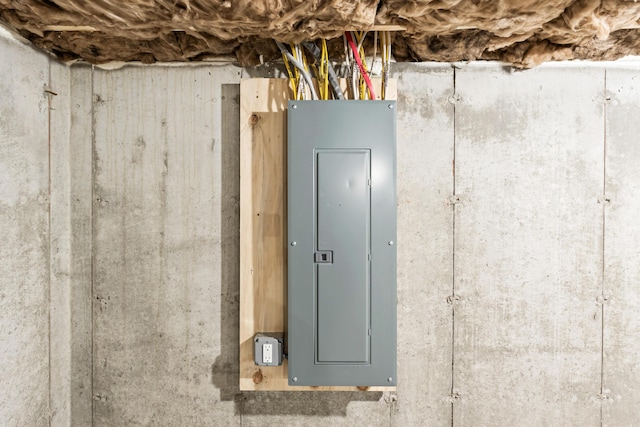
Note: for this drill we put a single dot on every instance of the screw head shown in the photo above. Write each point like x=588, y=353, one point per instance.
x=389, y=379
x=294, y=379
x=293, y=243
x=294, y=106
x=390, y=242
x=390, y=106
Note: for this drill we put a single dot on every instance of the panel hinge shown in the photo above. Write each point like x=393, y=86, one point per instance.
x=369, y=182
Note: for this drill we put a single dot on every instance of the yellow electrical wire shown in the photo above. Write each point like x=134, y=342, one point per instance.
x=294, y=75
x=388, y=70
x=385, y=50
x=303, y=59
x=299, y=92
x=323, y=84
x=292, y=79
x=316, y=72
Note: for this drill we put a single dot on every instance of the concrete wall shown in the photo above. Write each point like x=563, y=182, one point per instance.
x=165, y=246
x=517, y=250
x=33, y=113
x=45, y=256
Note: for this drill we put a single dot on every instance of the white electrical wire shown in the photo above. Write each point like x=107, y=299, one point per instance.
x=361, y=40
x=299, y=55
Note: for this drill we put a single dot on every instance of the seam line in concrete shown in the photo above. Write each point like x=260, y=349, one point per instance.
x=50, y=403
x=602, y=277
x=453, y=252
x=91, y=236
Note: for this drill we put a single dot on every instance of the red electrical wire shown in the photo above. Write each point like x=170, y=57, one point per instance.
x=367, y=80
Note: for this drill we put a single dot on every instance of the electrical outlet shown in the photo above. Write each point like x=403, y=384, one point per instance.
x=268, y=349
x=267, y=353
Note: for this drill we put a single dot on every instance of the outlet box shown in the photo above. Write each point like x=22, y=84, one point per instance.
x=268, y=349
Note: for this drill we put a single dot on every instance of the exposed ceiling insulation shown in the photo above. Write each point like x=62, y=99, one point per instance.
x=521, y=32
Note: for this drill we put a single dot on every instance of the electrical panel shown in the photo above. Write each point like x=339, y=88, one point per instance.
x=342, y=243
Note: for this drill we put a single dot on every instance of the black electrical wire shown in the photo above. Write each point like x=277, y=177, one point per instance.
x=333, y=78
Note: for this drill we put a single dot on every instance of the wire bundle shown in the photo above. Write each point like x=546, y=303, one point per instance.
x=297, y=84
x=358, y=76
x=364, y=77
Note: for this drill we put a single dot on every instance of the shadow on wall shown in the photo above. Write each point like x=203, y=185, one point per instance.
x=225, y=370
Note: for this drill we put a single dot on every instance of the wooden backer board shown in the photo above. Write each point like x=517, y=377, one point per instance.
x=263, y=227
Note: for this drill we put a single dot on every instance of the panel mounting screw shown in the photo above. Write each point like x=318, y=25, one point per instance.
x=390, y=242
x=294, y=106
x=390, y=107
x=294, y=379
x=293, y=243
x=389, y=380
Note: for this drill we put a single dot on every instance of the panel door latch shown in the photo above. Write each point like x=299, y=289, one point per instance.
x=323, y=257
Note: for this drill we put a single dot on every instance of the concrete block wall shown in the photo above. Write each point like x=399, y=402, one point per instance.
x=518, y=253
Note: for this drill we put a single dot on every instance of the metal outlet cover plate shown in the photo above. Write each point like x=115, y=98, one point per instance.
x=275, y=341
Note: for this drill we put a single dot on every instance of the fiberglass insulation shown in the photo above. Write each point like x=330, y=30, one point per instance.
x=521, y=32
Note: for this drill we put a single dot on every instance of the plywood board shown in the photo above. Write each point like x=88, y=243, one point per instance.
x=263, y=224
x=527, y=252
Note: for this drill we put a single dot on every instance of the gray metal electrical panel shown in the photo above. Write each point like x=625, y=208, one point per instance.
x=342, y=243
